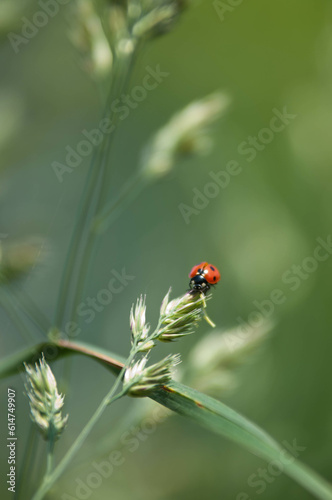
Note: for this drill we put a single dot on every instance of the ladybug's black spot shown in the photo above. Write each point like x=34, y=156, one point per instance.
x=214, y=278
x=211, y=267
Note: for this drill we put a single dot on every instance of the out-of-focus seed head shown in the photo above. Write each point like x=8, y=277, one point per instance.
x=16, y=259
x=213, y=361
x=121, y=39
x=226, y=348
x=156, y=22
x=186, y=133
x=88, y=36
x=157, y=17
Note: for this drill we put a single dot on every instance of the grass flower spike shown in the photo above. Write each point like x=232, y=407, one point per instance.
x=45, y=401
x=137, y=318
x=141, y=380
x=179, y=317
x=139, y=327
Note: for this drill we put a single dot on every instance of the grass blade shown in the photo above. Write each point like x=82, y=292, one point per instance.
x=221, y=419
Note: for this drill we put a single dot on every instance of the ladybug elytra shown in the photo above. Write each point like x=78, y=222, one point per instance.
x=203, y=276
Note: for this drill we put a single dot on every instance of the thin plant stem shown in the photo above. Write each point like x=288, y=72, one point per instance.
x=50, y=457
x=126, y=73
x=92, y=237
x=76, y=238
x=37, y=465
x=131, y=189
x=83, y=211
x=133, y=418
x=99, y=192
x=95, y=182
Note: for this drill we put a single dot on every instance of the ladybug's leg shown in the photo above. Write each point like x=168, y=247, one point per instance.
x=205, y=316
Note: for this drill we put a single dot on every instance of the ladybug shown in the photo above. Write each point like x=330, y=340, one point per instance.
x=203, y=276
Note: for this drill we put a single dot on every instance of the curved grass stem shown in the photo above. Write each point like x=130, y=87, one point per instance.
x=131, y=189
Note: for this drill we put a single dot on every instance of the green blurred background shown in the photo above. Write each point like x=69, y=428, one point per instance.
x=264, y=55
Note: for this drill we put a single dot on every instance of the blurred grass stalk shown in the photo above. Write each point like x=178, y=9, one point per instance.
x=90, y=195
x=184, y=134
x=128, y=25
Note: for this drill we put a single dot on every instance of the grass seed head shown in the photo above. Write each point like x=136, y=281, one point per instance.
x=180, y=316
x=142, y=380
x=187, y=133
x=45, y=402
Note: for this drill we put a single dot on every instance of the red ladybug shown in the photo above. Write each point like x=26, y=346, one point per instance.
x=202, y=276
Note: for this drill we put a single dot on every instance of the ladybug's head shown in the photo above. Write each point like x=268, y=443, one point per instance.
x=199, y=284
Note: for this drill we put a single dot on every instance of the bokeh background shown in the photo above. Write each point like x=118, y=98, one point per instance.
x=263, y=55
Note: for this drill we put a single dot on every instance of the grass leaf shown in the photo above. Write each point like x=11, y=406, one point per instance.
x=221, y=419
